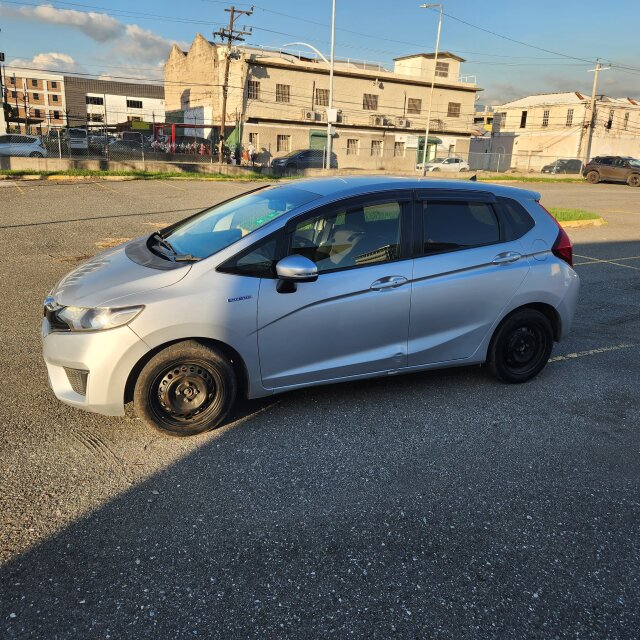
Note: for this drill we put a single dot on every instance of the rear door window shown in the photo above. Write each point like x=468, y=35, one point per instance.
x=455, y=225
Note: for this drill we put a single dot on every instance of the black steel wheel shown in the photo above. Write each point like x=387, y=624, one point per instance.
x=185, y=389
x=521, y=346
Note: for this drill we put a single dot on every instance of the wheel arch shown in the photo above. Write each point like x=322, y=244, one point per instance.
x=236, y=360
x=547, y=310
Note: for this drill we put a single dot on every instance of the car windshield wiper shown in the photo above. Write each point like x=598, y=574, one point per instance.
x=174, y=255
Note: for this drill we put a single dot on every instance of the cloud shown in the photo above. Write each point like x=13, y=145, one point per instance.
x=98, y=26
x=50, y=61
x=142, y=44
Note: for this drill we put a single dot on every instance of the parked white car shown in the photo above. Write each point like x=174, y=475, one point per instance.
x=14, y=144
x=447, y=164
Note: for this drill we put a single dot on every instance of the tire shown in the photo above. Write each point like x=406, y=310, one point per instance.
x=166, y=392
x=593, y=177
x=291, y=170
x=520, y=347
x=36, y=154
x=634, y=180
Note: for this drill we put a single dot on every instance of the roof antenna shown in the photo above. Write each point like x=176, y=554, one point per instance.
x=474, y=178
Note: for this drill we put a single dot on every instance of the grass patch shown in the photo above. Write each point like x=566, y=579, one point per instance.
x=567, y=215
x=140, y=175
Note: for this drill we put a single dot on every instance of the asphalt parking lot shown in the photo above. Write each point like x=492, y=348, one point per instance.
x=437, y=505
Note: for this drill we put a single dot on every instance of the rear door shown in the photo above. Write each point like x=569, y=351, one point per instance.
x=465, y=273
x=354, y=318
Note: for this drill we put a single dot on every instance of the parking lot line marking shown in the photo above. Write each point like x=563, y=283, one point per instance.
x=102, y=186
x=614, y=262
x=173, y=186
x=591, y=352
x=20, y=189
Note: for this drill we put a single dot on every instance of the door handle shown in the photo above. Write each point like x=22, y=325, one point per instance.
x=390, y=282
x=507, y=257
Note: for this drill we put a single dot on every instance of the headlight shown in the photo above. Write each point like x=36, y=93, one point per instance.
x=97, y=319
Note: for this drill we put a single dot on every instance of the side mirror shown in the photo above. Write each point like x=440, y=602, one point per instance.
x=296, y=269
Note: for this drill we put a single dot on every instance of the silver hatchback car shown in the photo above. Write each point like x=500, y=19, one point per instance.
x=308, y=283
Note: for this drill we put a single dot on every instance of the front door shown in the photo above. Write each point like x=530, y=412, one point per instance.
x=464, y=279
x=353, y=320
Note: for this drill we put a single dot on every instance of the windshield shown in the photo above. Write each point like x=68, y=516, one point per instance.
x=218, y=227
x=634, y=163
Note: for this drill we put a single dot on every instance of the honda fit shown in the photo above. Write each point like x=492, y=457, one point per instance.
x=316, y=282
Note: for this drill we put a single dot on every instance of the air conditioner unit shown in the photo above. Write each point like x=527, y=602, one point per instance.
x=403, y=122
x=342, y=119
x=307, y=114
x=377, y=121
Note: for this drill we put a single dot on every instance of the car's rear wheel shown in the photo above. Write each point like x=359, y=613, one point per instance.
x=36, y=154
x=634, y=180
x=593, y=177
x=521, y=346
x=185, y=389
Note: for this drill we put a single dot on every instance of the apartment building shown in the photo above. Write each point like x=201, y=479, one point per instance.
x=537, y=128
x=278, y=102
x=41, y=101
x=36, y=100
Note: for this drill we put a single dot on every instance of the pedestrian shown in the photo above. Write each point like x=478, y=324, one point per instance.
x=252, y=153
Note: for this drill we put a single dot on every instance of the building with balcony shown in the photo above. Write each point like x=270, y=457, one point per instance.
x=277, y=101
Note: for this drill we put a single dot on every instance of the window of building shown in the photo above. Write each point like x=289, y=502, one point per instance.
x=253, y=139
x=283, y=143
x=37, y=113
x=129, y=118
x=12, y=80
x=253, y=90
x=353, y=146
x=36, y=96
x=398, y=149
x=370, y=102
x=610, y=120
x=626, y=120
x=56, y=115
x=14, y=94
x=453, y=110
x=569, y=117
x=322, y=97
x=54, y=85
x=502, y=119
x=545, y=118
x=376, y=147
x=95, y=117
x=134, y=104
x=442, y=69
x=414, y=105
x=357, y=237
x=523, y=120
x=34, y=82
x=449, y=226
x=283, y=93
x=94, y=100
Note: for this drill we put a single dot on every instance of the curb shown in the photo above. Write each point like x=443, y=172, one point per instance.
x=575, y=224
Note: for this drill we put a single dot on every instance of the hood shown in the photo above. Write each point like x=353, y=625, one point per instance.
x=111, y=275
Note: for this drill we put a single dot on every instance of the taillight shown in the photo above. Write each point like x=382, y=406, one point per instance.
x=562, y=247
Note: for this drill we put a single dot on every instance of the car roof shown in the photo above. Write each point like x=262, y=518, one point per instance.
x=344, y=186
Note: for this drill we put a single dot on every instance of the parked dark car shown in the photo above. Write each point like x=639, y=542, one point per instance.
x=563, y=165
x=303, y=159
x=613, y=169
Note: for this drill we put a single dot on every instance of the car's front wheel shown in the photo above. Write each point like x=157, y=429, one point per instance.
x=36, y=154
x=521, y=346
x=593, y=177
x=185, y=389
x=634, y=180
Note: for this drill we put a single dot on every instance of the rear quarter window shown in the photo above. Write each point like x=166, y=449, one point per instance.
x=517, y=220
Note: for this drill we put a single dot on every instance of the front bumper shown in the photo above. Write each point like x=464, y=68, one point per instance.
x=108, y=356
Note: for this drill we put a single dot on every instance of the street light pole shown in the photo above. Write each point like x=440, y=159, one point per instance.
x=433, y=82
x=330, y=112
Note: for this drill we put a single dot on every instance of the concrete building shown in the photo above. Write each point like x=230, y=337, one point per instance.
x=36, y=98
x=532, y=131
x=277, y=101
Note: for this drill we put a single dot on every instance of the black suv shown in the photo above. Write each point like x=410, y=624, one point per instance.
x=303, y=159
x=563, y=166
x=613, y=169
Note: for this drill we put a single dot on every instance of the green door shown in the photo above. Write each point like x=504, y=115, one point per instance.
x=318, y=140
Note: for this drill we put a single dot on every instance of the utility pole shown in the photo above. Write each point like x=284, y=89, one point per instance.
x=592, y=111
x=3, y=98
x=332, y=115
x=231, y=35
x=433, y=82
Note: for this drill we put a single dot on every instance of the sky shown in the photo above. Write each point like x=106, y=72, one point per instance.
x=120, y=38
